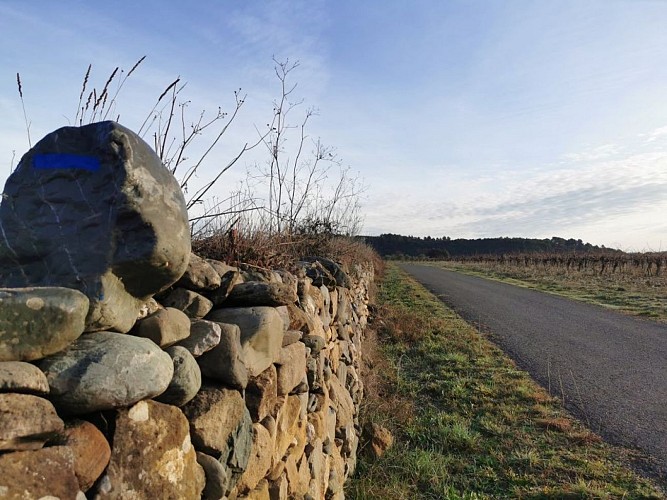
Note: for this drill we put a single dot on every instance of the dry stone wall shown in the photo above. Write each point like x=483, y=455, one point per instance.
x=204, y=380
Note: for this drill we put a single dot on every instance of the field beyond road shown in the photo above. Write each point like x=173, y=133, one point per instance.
x=609, y=369
x=468, y=423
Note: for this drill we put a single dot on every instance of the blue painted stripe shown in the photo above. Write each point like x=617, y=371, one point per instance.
x=60, y=160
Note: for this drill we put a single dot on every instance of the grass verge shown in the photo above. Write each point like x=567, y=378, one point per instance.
x=638, y=296
x=469, y=424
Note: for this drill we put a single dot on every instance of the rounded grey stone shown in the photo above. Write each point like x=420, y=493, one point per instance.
x=186, y=380
x=106, y=370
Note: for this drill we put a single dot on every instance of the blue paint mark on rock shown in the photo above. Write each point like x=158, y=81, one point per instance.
x=61, y=160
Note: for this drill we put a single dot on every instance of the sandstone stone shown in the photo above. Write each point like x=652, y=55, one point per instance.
x=278, y=489
x=262, y=393
x=36, y=322
x=342, y=402
x=45, y=474
x=225, y=361
x=319, y=469
x=336, y=478
x=261, y=334
x=108, y=219
x=379, y=439
x=17, y=376
x=344, y=310
x=297, y=473
x=310, y=303
x=343, y=332
x=27, y=422
x=255, y=293
x=152, y=455
x=314, y=342
x=106, y=370
x=333, y=307
x=214, y=414
x=291, y=367
x=191, y=303
x=291, y=336
x=299, y=320
x=186, y=380
x=217, y=477
x=315, y=372
x=261, y=492
x=165, y=327
x=284, y=314
x=290, y=428
x=90, y=449
x=260, y=459
x=204, y=336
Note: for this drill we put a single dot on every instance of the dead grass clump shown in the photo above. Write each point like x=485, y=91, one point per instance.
x=558, y=424
x=401, y=325
x=382, y=403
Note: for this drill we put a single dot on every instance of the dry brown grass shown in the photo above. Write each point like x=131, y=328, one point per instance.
x=259, y=248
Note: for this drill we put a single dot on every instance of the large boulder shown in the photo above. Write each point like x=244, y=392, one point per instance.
x=36, y=322
x=106, y=370
x=93, y=208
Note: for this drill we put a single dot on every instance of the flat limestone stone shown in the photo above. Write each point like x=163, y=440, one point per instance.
x=36, y=322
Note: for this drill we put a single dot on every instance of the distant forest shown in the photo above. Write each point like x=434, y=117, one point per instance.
x=398, y=246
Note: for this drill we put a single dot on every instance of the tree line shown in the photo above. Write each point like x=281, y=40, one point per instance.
x=409, y=247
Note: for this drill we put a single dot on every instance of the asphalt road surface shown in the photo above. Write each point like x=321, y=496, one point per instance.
x=612, y=368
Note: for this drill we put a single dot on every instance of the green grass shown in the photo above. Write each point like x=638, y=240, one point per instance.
x=469, y=424
x=643, y=296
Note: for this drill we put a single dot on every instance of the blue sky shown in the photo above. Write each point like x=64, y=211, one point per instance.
x=466, y=118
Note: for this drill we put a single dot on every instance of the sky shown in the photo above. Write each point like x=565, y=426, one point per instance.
x=466, y=119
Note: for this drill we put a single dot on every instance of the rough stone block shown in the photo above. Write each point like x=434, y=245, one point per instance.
x=152, y=456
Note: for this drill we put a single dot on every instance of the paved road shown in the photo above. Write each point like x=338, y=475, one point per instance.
x=613, y=368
